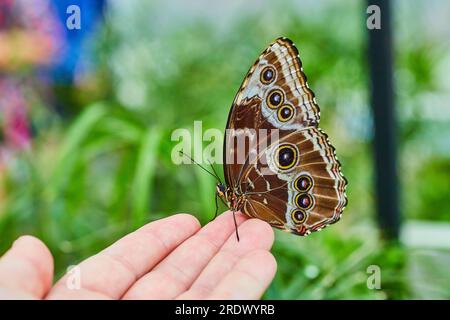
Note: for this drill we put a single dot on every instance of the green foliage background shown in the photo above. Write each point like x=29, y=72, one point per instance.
x=106, y=170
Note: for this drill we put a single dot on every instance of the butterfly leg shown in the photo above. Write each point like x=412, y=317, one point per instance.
x=235, y=225
x=217, y=208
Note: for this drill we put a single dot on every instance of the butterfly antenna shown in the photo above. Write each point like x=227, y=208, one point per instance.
x=202, y=167
x=214, y=170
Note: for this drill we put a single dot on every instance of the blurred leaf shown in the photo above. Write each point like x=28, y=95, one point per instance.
x=143, y=179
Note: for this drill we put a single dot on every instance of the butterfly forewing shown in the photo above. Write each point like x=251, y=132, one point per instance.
x=290, y=176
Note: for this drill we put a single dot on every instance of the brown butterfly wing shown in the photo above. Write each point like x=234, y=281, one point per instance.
x=275, y=95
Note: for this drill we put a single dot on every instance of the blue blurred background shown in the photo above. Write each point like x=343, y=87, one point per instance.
x=86, y=117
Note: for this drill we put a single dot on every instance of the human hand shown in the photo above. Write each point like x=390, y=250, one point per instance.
x=172, y=258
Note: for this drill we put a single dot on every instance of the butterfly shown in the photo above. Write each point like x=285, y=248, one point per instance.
x=293, y=182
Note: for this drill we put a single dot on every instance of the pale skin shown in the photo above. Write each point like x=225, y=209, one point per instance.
x=171, y=258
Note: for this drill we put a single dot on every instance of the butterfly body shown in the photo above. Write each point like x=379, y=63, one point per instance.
x=231, y=198
x=288, y=175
